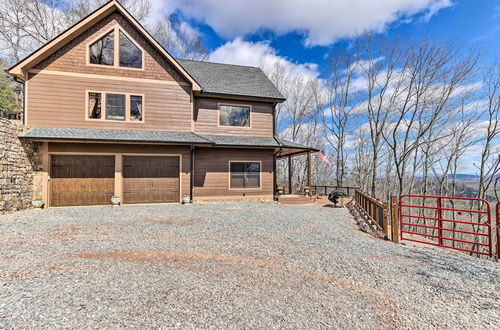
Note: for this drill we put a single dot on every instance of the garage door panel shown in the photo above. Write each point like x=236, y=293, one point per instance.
x=81, y=180
x=73, y=192
x=152, y=179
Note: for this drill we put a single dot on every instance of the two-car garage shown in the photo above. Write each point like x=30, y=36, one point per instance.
x=90, y=179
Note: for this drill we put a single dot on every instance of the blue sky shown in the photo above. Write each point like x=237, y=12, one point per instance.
x=302, y=31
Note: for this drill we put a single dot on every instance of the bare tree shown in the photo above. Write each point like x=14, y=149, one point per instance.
x=489, y=166
x=342, y=101
x=179, y=39
x=430, y=75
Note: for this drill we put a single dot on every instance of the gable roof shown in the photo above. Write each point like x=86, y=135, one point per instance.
x=228, y=79
x=19, y=70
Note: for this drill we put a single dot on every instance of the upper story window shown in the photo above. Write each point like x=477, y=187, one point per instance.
x=102, y=51
x=116, y=49
x=234, y=115
x=130, y=54
x=115, y=107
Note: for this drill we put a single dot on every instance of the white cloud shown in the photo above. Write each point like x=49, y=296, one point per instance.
x=321, y=21
x=259, y=54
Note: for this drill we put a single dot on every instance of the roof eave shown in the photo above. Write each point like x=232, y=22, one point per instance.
x=262, y=98
x=112, y=140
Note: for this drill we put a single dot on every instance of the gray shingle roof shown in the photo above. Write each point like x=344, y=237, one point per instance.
x=242, y=141
x=288, y=144
x=228, y=79
x=86, y=134
x=60, y=133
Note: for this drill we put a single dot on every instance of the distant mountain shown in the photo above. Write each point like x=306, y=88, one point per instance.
x=466, y=177
x=462, y=177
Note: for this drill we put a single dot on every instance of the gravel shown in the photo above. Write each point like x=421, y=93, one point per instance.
x=230, y=265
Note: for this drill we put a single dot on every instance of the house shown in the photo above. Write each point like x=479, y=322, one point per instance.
x=115, y=114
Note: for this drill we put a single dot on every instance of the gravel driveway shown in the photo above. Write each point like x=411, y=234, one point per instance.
x=223, y=265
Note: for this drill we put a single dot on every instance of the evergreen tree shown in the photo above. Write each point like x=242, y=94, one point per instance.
x=8, y=99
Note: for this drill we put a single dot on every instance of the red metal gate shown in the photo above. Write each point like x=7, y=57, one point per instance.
x=458, y=223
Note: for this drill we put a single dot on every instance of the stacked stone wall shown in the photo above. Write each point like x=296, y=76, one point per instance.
x=18, y=161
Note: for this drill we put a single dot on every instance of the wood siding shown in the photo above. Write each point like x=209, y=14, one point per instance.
x=206, y=117
x=211, y=173
x=60, y=101
x=72, y=56
x=136, y=149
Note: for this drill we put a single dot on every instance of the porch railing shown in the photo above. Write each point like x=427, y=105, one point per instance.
x=319, y=190
x=375, y=210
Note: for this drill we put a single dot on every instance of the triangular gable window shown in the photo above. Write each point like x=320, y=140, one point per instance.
x=130, y=54
x=116, y=49
x=102, y=51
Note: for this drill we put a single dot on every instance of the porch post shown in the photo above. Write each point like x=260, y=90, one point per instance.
x=309, y=173
x=119, y=176
x=290, y=172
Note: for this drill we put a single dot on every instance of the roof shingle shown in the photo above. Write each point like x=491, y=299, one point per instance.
x=61, y=133
x=228, y=79
x=87, y=134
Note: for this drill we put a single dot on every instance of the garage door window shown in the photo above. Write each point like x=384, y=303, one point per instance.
x=245, y=175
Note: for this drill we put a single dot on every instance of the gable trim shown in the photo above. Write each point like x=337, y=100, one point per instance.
x=21, y=69
x=107, y=77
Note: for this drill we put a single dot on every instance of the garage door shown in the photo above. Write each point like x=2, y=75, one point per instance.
x=81, y=180
x=152, y=179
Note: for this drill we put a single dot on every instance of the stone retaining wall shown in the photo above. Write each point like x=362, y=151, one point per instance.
x=17, y=162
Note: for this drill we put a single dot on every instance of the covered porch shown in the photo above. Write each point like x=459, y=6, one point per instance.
x=286, y=189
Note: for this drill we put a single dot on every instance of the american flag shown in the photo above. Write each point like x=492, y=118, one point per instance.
x=324, y=158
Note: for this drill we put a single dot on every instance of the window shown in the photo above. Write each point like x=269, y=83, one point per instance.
x=233, y=115
x=130, y=54
x=135, y=107
x=94, y=110
x=245, y=175
x=102, y=51
x=116, y=49
x=115, y=107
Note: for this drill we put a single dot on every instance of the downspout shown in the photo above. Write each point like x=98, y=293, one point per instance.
x=275, y=192
x=191, y=177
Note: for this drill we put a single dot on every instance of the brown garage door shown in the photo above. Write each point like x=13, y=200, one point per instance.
x=81, y=180
x=150, y=179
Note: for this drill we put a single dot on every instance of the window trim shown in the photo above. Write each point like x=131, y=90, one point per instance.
x=234, y=105
x=103, y=106
x=245, y=161
x=116, y=47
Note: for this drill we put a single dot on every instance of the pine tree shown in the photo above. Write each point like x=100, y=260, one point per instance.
x=8, y=99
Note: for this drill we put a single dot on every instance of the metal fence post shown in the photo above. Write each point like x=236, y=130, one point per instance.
x=394, y=219
x=439, y=222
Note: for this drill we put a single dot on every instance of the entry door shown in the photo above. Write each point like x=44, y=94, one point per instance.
x=81, y=180
x=151, y=179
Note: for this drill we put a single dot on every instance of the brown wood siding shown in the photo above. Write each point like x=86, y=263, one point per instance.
x=104, y=148
x=211, y=175
x=72, y=57
x=60, y=101
x=206, y=118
